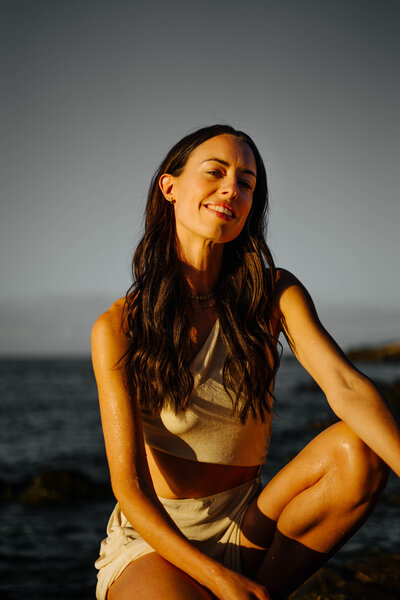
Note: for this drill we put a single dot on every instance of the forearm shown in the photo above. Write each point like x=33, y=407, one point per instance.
x=363, y=409
x=147, y=515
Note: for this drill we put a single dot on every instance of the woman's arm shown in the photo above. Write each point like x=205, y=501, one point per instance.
x=130, y=476
x=351, y=395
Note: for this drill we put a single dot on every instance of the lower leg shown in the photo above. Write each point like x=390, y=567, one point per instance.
x=288, y=564
x=298, y=552
x=310, y=509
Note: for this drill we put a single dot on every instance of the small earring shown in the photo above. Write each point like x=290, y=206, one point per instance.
x=172, y=201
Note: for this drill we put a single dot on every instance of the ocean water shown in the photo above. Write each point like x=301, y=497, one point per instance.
x=49, y=419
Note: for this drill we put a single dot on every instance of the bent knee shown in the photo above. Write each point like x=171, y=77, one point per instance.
x=363, y=473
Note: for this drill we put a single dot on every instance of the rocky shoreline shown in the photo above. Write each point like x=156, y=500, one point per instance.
x=54, y=488
x=371, y=578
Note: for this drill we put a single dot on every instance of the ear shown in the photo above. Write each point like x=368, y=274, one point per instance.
x=166, y=183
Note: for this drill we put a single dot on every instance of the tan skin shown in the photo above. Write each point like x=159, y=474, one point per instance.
x=314, y=503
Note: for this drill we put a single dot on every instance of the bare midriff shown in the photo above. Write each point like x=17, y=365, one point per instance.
x=175, y=477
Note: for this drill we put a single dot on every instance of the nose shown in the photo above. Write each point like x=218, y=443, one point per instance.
x=230, y=188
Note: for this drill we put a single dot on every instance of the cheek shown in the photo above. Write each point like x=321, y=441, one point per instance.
x=185, y=211
x=187, y=198
x=247, y=208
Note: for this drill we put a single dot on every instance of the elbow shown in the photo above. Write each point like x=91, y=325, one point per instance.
x=131, y=490
x=123, y=487
x=350, y=391
x=134, y=501
x=363, y=387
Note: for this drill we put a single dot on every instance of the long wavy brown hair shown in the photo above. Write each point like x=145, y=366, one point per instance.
x=157, y=309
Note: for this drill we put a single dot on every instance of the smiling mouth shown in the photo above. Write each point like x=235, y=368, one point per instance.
x=222, y=210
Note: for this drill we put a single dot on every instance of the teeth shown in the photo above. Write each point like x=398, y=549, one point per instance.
x=221, y=209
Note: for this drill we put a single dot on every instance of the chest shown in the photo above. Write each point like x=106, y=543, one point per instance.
x=202, y=325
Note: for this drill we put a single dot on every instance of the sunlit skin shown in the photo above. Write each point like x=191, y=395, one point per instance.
x=317, y=500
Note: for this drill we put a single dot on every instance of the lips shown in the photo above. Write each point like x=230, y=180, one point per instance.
x=222, y=208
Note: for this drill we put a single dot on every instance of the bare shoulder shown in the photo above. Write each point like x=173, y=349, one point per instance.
x=109, y=341
x=111, y=317
x=285, y=280
x=291, y=294
x=312, y=345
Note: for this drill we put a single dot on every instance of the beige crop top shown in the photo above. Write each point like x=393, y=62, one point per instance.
x=209, y=431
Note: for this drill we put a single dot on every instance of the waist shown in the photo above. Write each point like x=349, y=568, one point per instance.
x=175, y=477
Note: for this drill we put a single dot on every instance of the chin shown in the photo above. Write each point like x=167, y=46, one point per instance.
x=223, y=238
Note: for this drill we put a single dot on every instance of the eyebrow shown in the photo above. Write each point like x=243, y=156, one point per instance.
x=226, y=164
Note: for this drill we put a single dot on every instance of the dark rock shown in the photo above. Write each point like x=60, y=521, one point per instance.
x=321, y=425
x=388, y=352
x=327, y=578
x=393, y=499
x=6, y=490
x=324, y=582
x=11, y=490
x=391, y=392
x=372, y=578
x=59, y=487
x=383, y=570
x=365, y=591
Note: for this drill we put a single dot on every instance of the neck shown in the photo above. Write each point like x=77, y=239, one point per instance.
x=201, y=265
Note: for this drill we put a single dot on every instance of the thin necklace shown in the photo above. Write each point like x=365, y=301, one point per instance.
x=200, y=298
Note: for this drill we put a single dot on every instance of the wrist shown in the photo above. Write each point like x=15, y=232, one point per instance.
x=212, y=575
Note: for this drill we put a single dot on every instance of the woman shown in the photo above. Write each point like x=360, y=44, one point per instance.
x=185, y=368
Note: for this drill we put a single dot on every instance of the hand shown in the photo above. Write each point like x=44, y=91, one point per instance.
x=233, y=586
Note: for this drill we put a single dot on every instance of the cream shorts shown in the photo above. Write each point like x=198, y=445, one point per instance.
x=212, y=524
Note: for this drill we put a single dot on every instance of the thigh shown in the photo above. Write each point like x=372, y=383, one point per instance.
x=299, y=474
x=150, y=577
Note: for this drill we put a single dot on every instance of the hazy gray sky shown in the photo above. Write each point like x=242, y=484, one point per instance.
x=97, y=92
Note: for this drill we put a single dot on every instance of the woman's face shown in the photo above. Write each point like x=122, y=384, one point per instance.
x=214, y=193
